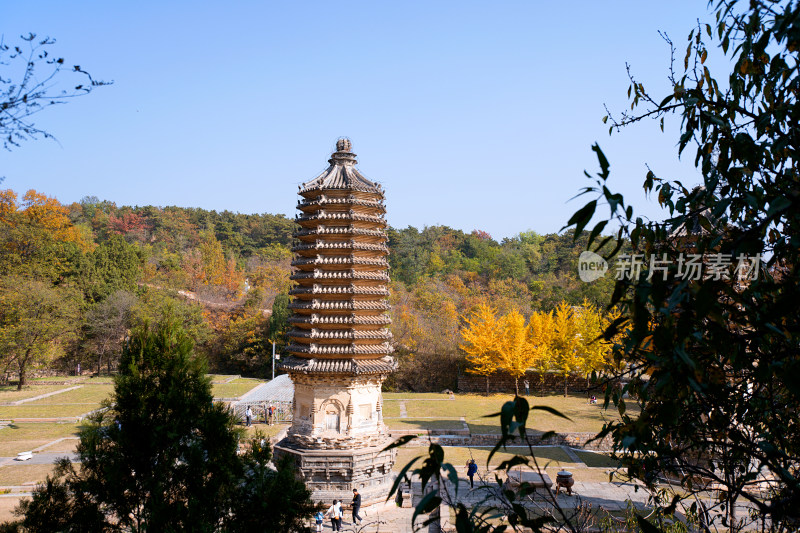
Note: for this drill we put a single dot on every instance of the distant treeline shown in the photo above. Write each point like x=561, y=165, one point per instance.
x=110, y=267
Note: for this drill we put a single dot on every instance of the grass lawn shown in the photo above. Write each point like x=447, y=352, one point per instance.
x=416, y=396
x=89, y=395
x=32, y=410
x=584, y=416
x=391, y=409
x=547, y=457
x=64, y=446
x=595, y=459
x=9, y=393
x=268, y=431
x=17, y=438
x=550, y=459
x=7, y=506
x=98, y=380
x=15, y=474
x=220, y=377
x=235, y=388
x=422, y=425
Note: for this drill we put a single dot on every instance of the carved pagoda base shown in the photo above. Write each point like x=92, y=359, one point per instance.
x=333, y=474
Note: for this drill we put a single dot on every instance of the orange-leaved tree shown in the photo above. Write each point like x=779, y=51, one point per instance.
x=481, y=341
x=37, y=237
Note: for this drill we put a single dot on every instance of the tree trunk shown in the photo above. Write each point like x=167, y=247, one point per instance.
x=566, y=382
x=487, y=384
x=516, y=386
x=22, y=364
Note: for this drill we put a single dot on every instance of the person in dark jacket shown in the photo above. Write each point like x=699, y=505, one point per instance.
x=472, y=469
x=356, y=506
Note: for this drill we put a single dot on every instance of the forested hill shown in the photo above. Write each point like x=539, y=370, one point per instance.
x=96, y=261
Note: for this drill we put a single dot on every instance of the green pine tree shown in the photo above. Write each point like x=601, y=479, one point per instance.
x=163, y=457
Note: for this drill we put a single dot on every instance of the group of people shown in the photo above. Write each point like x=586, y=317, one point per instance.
x=269, y=415
x=335, y=513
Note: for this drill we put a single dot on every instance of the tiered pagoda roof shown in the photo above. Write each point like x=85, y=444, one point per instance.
x=340, y=267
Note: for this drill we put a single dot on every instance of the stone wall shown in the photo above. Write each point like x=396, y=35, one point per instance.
x=549, y=382
x=573, y=440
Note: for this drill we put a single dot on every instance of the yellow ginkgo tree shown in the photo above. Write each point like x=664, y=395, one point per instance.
x=566, y=343
x=540, y=337
x=481, y=339
x=594, y=351
x=519, y=348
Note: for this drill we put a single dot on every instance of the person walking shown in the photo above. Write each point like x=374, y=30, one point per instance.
x=472, y=469
x=356, y=506
x=335, y=512
x=319, y=517
x=527, y=387
x=271, y=414
x=248, y=415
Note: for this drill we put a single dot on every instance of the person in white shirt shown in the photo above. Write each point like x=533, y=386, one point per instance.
x=335, y=512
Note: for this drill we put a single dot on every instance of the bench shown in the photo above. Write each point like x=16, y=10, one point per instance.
x=534, y=479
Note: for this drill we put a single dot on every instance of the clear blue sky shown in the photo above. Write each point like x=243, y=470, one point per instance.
x=471, y=114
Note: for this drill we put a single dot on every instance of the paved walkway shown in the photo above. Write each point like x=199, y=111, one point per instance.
x=42, y=458
x=42, y=396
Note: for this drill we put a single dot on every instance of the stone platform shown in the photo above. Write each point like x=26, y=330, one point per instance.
x=333, y=474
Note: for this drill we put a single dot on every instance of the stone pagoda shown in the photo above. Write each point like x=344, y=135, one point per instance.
x=339, y=342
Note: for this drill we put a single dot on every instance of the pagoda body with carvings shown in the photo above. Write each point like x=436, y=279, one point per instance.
x=339, y=342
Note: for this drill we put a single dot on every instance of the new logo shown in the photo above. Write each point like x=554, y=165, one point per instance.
x=591, y=266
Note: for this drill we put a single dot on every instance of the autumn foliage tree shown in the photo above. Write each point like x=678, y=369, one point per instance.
x=37, y=238
x=540, y=338
x=481, y=342
x=577, y=345
x=566, y=341
x=207, y=265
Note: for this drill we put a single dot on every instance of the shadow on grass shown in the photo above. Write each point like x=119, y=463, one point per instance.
x=423, y=425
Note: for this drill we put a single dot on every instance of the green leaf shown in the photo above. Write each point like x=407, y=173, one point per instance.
x=511, y=463
x=500, y=443
x=428, y=503
x=405, y=439
x=582, y=217
x=550, y=410
x=601, y=158
x=780, y=203
x=646, y=526
x=521, y=414
x=596, y=231
x=400, y=477
x=452, y=475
